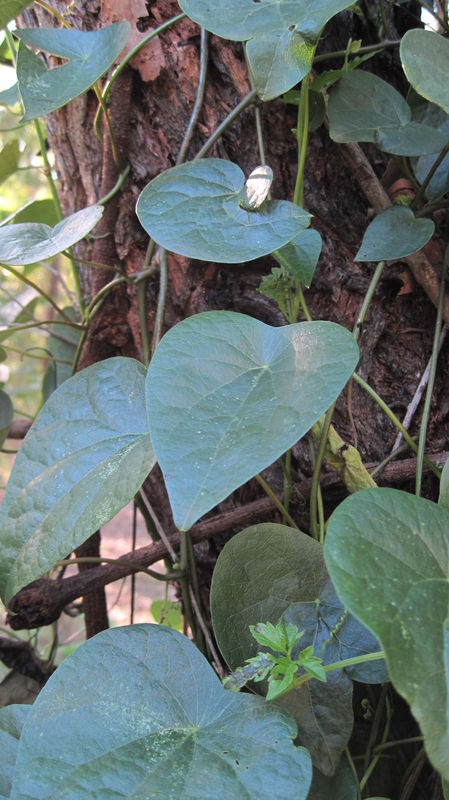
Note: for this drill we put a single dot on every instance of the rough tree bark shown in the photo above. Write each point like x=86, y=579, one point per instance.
x=150, y=108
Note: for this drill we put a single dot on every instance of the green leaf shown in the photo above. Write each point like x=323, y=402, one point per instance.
x=443, y=499
x=43, y=211
x=446, y=789
x=12, y=719
x=62, y=350
x=259, y=574
x=425, y=61
x=18, y=310
x=89, y=54
x=6, y=415
x=27, y=243
x=395, y=233
x=387, y=554
x=341, y=786
x=300, y=256
x=227, y=395
x=167, y=612
x=195, y=210
x=439, y=184
x=150, y=718
x=9, y=159
x=84, y=458
x=364, y=108
x=245, y=19
x=10, y=9
x=278, y=61
x=11, y=96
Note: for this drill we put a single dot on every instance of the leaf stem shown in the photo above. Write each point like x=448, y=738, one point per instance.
x=202, y=77
x=23, y=279
x=302, y=136
x=370, y=48
x=269, y=491
x=163, y=279
x=314, y=529
x=247, y=100
x=115, y=189
x=367, y=300
x=432, y=375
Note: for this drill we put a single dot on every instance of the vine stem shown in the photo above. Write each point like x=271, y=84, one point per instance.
x=302, y=135
x=345, y=662
x=38, y=289
x=393, y=418
x=432, y=375
x=370, y=48
x=438, y=161
x=314, y=489
x=163, y=280
x=202, y=77
x=367, y=300
x=269, y=491
x=247, y=100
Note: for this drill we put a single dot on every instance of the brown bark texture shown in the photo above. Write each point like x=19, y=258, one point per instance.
x=150, y=109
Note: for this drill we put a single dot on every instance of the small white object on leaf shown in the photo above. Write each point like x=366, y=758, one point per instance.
x=256, y=188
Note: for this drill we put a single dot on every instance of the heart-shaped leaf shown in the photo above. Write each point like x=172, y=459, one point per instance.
x=6, y=415
x=12, y=719
x=26, y=243
x=227, y=395
x=151, y=718
x=89, y=54
x=341, y=786
x=195, y=210
x=300, y=256
x=394, y=233
x=245, y=19
x=425, y=61
x=11, y=96
x=84, y=458
x=278, y=61
x=387, y=555
x=260, y=574
x=9, y=159
x=10, y=9
x=364, y=108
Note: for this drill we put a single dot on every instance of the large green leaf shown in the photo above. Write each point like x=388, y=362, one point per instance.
x=43, y=211
x=439, y=183
x=12, y=719
x=150, y=719
x=6, y=415
x=364, y=108
x=387, y=554
x=28, y=242
x=300, y=256
x=260, y=574
x=425, y=61
x=84, y=458
x=195, y=210
x=9, y=159
x=89, y=54
x=62, y=348
x=10, y=9
x=278, y=61
x=227, y=395
x=245, y=19
x=394, y=233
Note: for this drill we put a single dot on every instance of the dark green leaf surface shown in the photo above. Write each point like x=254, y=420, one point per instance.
x=10, y=9
x=300, y=256
x=26, y=243
x=12, y=719
x=446, y=789
x=6, y=415
x=42, y=211
x=227, y=395
x=150, y=719
x=84, y=458
x=259, y=574
x=89, y=54
x=340, y=786
x=247, y=18
x=394, y=233
x=387, y=555
x=278, y=61
x=194, y=210
x=364, y=108
x=9, y=159
x=425, y=61
x=439, y=183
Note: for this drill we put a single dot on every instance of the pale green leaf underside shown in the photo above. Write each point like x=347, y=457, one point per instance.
x=28, y=242
x=89, y=55
x=227, y=395
x=364, y=108
x=425, y=61
x=10, y=9
x=388, y=556
x=150, y=719
x=300, y=256
x=84, y=458
x=12, y=719
x=394, y=233
x=194, y=210
x=278, y=62
x=245, y=19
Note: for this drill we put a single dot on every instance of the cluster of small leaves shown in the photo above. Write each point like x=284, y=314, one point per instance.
x=280, y=667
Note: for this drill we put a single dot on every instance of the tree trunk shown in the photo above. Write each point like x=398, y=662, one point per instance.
x=150, y=109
